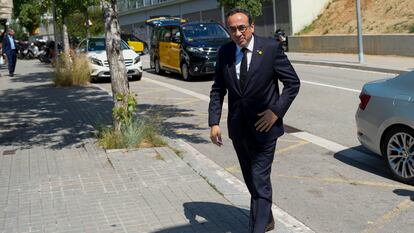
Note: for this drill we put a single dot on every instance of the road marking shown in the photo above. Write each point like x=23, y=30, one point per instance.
x=300, y=143
x=345, y=68
x=332, y=146
x=233, y=189
x=182, y=90
x=351, y=182
x=388, y=217
x=331, y=86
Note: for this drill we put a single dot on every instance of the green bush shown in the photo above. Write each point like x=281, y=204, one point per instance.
x=69, y=72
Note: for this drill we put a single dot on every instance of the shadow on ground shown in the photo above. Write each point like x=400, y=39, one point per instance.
x=211, y=217
x=363, y=159
x=203, y=78
x=35, y=114
x=165, y=116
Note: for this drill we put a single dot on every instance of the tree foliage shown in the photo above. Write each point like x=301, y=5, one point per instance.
x=29, y=13
x=254, y=6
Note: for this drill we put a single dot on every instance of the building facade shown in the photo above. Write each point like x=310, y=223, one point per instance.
x=6, y=9
x=289, y=15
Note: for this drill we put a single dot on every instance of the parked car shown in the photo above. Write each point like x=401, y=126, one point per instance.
x=188, y=48
x=138, y=45
x=385, y=123
x=95, y=50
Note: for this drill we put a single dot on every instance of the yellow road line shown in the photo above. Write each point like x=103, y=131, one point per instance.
x=388, y=217
x=351, y=182
x=233, y=169
x=300, y=143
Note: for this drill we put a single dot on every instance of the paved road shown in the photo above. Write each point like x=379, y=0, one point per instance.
x=328, y=190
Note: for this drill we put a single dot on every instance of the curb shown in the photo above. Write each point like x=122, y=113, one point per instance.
x=348, y=66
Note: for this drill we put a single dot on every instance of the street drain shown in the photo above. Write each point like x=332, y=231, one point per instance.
x=9, y=152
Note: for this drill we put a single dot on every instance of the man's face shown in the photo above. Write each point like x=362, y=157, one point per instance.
x=240, y=30
x=11, y=33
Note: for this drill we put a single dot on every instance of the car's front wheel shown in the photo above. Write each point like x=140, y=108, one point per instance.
x=398, y=150
x=185, y=72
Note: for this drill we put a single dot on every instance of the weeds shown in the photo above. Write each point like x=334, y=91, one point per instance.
x=139, y=133
x=69, y=72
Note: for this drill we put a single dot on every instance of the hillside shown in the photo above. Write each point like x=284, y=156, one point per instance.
x=379, y=17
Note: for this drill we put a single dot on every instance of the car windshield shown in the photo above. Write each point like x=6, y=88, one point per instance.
x=204, y=31
x=98, y=44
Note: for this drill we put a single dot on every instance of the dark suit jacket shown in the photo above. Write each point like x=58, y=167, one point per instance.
x=6, y=46
x=268, y=65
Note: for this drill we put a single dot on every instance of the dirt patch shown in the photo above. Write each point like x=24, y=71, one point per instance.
x=378, y=17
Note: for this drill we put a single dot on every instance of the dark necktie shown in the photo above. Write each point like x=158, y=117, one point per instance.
x=243, y=68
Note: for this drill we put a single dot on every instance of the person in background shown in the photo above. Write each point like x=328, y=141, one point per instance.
x=9, y=48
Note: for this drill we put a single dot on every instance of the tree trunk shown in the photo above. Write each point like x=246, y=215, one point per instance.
x=65, y=36
x=119, y=79
x=88, y=33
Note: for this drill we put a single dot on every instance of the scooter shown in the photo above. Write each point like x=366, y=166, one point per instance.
x=280, y=36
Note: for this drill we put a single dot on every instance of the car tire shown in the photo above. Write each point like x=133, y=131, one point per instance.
x=398, y=150
x=158, y=69
x=185, y=73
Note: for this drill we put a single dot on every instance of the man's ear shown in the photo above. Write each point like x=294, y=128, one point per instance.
x=252, y=27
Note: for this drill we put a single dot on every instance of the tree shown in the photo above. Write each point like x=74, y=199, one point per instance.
x=95, y=15
x=28, y=12
x=254, y=6
x=119, y=79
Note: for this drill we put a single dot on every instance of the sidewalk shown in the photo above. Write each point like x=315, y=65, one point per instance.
x=378, y=63
x=54, y=178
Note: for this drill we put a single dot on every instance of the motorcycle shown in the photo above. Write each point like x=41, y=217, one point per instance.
x=281, y=37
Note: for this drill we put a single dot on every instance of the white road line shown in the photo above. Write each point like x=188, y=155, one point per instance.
x=344, y=68
x=331, y=86
x=182, y=90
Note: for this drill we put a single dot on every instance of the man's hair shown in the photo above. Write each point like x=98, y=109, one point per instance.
x=240, y=10
x=9, y=30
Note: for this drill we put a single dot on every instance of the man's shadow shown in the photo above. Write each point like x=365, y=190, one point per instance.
x=211, y=217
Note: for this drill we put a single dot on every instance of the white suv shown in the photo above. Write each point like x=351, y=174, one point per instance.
x=96, y=52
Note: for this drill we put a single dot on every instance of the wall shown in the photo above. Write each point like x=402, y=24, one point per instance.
x=304, y=12
x=399, y=44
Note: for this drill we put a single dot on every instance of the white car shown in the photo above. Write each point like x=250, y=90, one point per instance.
x=385, y=123
x=96, y=52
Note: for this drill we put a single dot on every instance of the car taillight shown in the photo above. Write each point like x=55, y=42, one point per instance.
x=364, y=100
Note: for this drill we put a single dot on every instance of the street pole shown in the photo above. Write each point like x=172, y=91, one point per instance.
x=274, y=16
x=55, y=26
x=360, y=41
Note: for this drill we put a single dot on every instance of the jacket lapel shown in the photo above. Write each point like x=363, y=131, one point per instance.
x=256, y=60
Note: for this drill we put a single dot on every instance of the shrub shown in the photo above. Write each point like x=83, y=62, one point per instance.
x=139, y=133
x=70, y=72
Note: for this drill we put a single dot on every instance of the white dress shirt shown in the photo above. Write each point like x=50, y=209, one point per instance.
x=12, y=45
x=239, y=56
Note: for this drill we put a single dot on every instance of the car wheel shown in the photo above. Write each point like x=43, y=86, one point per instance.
x=158, y=69
x=185, y=72
x=398, y=150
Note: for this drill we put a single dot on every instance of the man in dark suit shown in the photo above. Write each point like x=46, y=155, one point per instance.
x=249, y=68
x=10, y=49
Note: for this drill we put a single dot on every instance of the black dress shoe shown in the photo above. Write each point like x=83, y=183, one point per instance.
x=270, y=226
x=11, y=75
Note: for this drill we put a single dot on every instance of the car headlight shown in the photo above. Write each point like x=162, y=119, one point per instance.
x=96, y=61
x=194, y=49
x=137, y=59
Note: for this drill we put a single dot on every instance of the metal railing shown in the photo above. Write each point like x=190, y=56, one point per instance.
x=125, y=5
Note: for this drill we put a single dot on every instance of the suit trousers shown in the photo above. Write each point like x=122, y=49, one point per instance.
x=11, y=59
x=256, y=163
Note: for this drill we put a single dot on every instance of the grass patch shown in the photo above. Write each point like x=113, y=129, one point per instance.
x=70, y=72
x=411, y=29
x=140, y=133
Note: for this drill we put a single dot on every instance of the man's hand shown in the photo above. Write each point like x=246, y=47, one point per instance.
x=215, y=135
x=268, y=118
